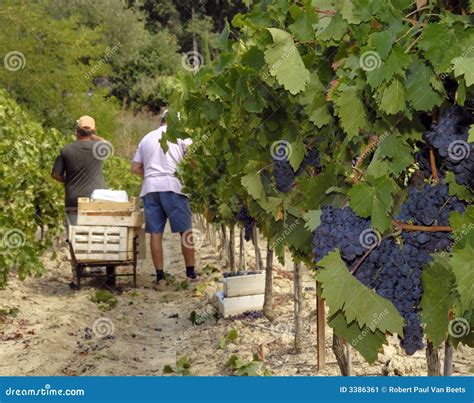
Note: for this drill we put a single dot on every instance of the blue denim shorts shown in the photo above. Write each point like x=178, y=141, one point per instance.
x=162, y=206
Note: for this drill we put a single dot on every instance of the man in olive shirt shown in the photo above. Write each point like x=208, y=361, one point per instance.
x=79, y=166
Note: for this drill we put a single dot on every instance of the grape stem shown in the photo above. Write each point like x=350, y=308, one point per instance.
x=434, y=170
x=410, y=227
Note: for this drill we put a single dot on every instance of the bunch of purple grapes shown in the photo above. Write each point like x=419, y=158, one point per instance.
x=340, y=228
x=311, y=159
x=248, y=222
x=449, y=138
x=282, y=170
x=248, y=315
x=429, y=205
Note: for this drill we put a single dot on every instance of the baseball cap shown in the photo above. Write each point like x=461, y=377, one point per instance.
x=86, y=122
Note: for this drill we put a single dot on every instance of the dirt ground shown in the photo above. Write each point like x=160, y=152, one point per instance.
x=57, y=331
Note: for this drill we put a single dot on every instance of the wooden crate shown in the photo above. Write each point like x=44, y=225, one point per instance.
x=237, y=305
x=247, y=284
x=102, y=213
x=106, y=243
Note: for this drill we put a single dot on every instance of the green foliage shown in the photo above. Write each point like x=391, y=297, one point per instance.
x=437, y=301
x=57, y=62
x=242, y=367
x=119, y=176
x=105, y=299
x=333, y=80
x=28, y=199
x=183, y=367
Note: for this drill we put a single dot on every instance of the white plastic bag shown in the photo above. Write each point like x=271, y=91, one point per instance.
x=109, y=195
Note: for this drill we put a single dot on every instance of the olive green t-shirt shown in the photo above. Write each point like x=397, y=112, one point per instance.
x=81, y=169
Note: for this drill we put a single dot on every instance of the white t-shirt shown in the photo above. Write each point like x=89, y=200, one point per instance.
x=160, y=167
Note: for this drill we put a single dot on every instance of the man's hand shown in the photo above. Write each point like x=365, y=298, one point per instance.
x=58, y=177
x=95, y=137
x=137, y=169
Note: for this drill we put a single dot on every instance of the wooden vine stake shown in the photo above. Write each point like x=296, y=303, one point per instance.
x=448, y=358
x=432, y=360
x=298, y=305
x=321, y=330
x=232, y=248
x=258, y=256
x=242, y=257
x=268, y=299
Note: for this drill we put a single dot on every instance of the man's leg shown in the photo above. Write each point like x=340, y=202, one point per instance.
x=187, y=247
x=156, y=246
x=155, y=217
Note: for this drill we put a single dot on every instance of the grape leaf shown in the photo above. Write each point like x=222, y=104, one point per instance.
x=374, y=199
x=342, y=291
x=442, y=43
x=455, y=189
x=302, y=28
x=396, y=150
x=297, y=154
x=384, y=40
x=313, y=219
x=331, y=28
x=253, y=184
x=471, y=135
x=462, y=265
x=437, y=300
x=314, y=102
x=367, y=342
x=393, y=98
x=396, y=64
x=464, y=66
x=297, y=235
x=350, y=110
x=285, y=62
x=463, y=226
x=420, y=93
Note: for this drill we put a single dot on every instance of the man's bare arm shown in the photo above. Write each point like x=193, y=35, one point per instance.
x=137, y=169
x=95, y=137
x=58, y=177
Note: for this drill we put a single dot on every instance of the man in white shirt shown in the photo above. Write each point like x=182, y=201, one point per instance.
x=163, y=198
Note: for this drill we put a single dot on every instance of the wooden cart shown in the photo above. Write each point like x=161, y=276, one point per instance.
x=108, y=234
